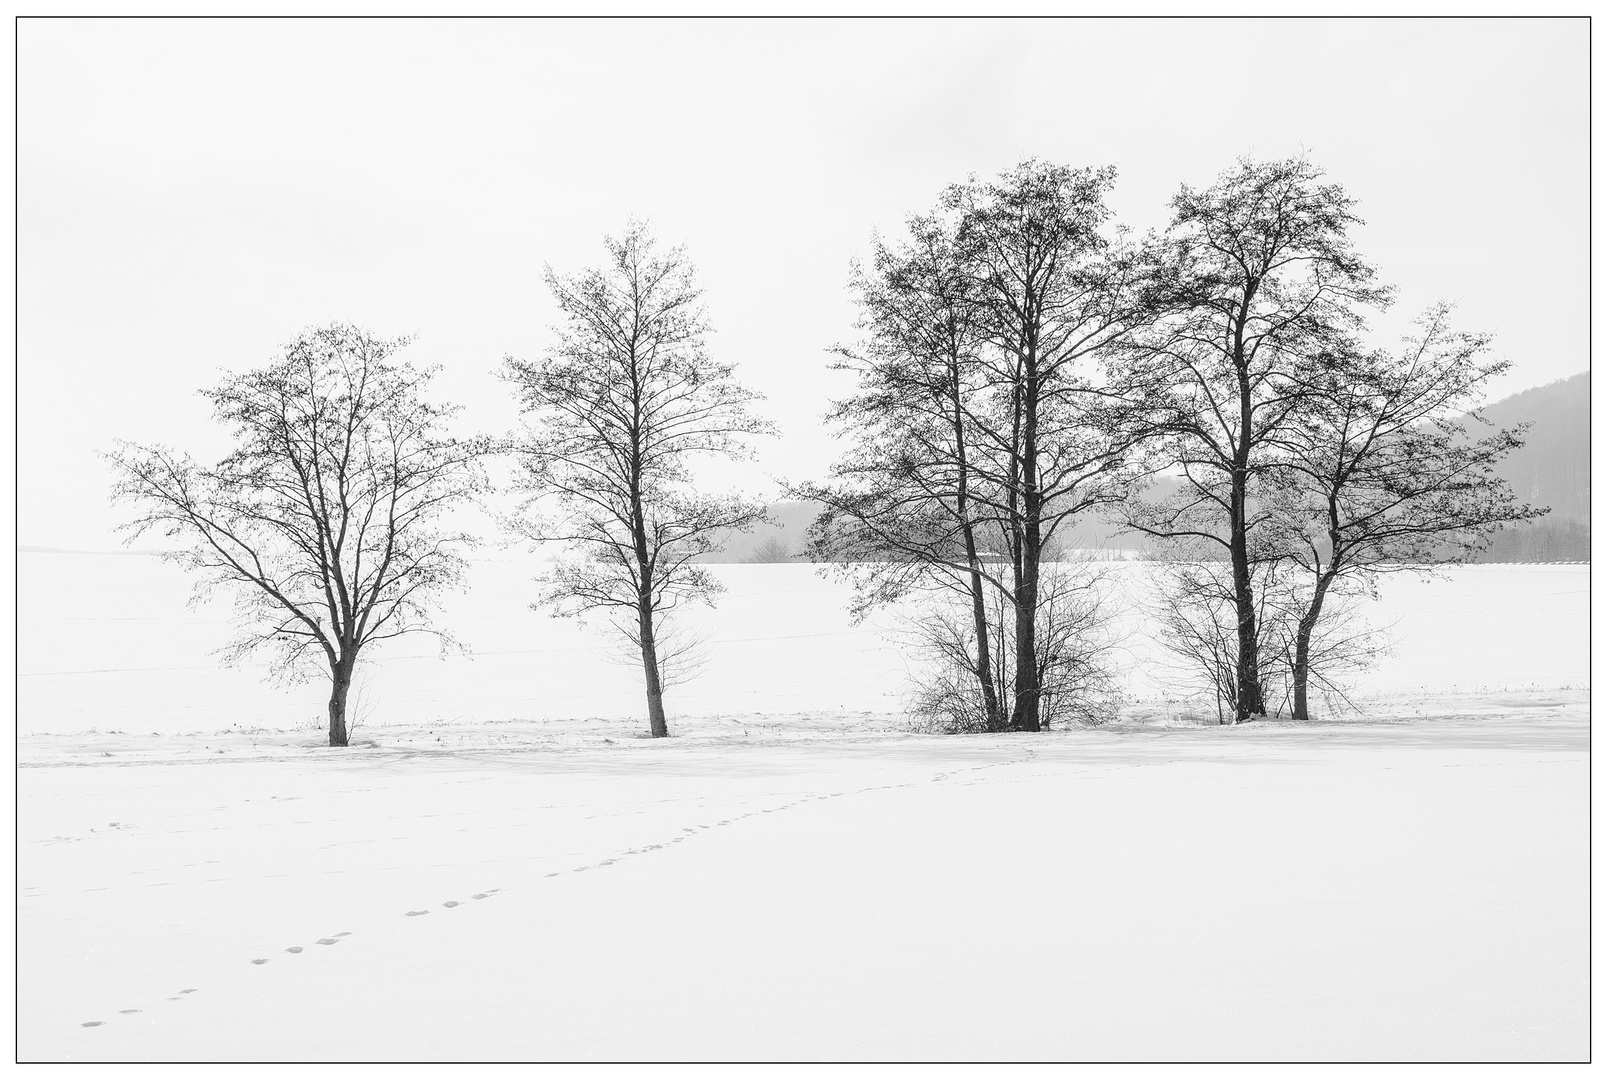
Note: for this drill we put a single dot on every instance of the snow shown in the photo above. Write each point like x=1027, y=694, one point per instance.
x=793, y=876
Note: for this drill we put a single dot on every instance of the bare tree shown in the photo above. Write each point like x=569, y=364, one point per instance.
x=1261, y=287
x=1382, y=473
x=324, y=520
x=1058, y=303
x=772, y=549
x=616, y=412
x=984, y=423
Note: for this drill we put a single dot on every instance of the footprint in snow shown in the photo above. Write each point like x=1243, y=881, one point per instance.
x=410, y=915
x=293, y=949
x=479, y=896
x=328, y=941
x=260, y=961
x=92, y=1023
x=125, y=1012
x=449, y=903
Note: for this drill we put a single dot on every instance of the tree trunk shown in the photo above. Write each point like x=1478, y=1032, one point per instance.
x=1250, y=702
x=1248, y=668
x=340, y=687
x=644, y=582
x=993, y=717
x=644, y=623
x=1027, y=712
x=1308, y=623
x=1026, y=716
x=655, y=689
x=984, y=660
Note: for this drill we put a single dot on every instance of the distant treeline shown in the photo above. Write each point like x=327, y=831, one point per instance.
x=1544, y=541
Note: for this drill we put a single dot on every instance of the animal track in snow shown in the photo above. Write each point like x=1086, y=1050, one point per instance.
x=92, y=1023
x=328, y=941
x=410, y=915
x=260, y=961
x=293, y=949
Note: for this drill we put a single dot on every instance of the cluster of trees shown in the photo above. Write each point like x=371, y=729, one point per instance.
x=328, y=515
x=1023, y=362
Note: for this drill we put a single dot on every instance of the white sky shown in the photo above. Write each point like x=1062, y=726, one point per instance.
x=191, y=194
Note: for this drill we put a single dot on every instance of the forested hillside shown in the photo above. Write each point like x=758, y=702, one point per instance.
x=1551, y=469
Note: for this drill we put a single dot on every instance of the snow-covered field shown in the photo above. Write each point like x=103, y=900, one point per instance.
x=503, y=869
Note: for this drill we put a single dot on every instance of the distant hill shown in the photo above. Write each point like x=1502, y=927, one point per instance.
x=1552, y=469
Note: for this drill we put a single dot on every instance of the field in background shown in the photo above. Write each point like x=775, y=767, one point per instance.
x=106, y=642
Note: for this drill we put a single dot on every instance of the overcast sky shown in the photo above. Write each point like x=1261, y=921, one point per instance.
x=194, y=193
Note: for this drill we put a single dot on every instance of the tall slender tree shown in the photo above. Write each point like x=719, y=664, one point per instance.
x=324, y=521
x=1261, y=287
x=616, y=412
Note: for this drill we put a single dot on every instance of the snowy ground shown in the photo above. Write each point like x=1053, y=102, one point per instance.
x=504, y=869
